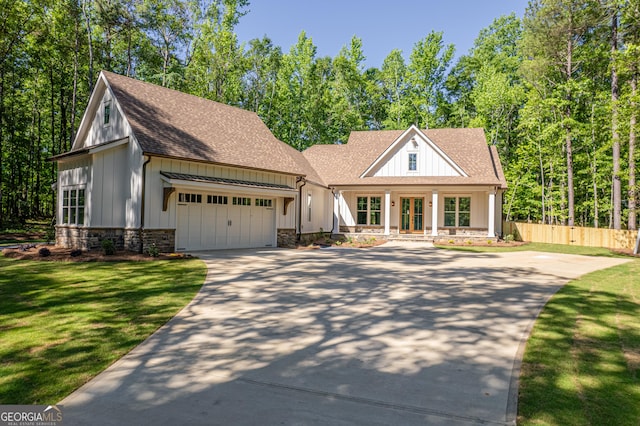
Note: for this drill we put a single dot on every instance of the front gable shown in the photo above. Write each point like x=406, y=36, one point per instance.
x=103, y=121
x=413, y=154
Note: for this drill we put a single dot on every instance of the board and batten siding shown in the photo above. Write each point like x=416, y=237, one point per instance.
x=429, y=162
x=110, y=188
x=321, y=209
x=155, y=218
x=73, y=173
x=99, y=132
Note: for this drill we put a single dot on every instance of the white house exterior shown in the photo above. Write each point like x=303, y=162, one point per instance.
x=152, y=165
x=432, y=182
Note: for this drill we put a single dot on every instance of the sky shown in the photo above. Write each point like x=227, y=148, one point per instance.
x=383, y=25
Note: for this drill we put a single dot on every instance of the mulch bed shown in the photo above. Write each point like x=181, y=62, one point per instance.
x=479, y=243
x=60, y=254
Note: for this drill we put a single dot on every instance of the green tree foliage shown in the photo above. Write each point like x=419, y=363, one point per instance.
x=543, y=88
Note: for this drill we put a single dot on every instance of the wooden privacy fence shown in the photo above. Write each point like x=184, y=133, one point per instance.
x=575, y=235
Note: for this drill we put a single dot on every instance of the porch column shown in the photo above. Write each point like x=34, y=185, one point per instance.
x=387, y=211
x=336, y=212
x=491, y=232
x=434, y=213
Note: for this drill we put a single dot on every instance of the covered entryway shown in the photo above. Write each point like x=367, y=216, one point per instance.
x=411, y=215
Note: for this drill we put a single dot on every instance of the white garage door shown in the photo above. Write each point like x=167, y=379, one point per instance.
x=219, y=221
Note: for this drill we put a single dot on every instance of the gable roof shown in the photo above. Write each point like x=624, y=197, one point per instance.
x=402, y=139
x=467, y=148
x=169, y=123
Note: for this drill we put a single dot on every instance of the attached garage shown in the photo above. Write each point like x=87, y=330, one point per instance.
x=217, y=213
x=207, y=221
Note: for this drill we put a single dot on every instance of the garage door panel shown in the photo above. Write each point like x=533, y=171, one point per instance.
x=224, y=222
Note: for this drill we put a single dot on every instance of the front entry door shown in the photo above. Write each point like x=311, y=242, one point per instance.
x=411, y=214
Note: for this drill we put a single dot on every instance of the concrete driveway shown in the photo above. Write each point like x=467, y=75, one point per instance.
x=400, y=334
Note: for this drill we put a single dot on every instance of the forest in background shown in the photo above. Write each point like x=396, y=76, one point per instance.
x=556, y=92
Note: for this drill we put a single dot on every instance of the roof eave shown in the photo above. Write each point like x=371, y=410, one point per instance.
x=237, y=166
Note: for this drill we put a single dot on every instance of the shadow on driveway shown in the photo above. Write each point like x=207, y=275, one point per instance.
x=397, y=334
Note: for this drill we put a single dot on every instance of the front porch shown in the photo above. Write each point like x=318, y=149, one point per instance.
x=451, y=213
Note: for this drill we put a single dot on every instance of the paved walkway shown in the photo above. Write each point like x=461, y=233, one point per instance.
x=401, y=334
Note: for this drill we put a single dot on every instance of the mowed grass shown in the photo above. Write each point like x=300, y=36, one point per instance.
x=582, y=359
x=63, y=323
x=549, y=248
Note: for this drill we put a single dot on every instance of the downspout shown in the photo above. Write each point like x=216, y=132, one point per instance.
x=298, y=180
x=144, y=184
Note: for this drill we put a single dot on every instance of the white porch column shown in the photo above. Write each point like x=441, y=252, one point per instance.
x=387, y=211
x=434, y=213
x=492, y=214
x=336, y=211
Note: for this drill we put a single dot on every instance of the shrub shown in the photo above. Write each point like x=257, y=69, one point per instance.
x=51, y=234
x=108, y=247
x=153, y=250
x=44, y=252
x=469, y=242
x=489, y=242
x=76, y=252
x=509, y=238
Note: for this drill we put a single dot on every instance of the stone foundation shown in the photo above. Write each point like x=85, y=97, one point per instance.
x=164, y=239
x=287, y=237
x=365, y=229
x=123, y=239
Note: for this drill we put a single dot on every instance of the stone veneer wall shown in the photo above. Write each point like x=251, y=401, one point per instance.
x=164, y=239
x=286, y=237
x=123, y=239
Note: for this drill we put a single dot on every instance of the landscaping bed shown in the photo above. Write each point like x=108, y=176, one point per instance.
x=61, y=254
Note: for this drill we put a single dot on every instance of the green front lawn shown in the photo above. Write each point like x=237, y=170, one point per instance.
x=549, y=248
x=63, y=323
x=582, y=359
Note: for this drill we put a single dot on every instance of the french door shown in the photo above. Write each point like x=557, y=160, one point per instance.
x=411, y=215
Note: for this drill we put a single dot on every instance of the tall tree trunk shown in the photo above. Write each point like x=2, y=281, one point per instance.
x=1, y=145
x=568, y=136
x=87, y=18
x=594, y=169
x=615, y=136
x=74, y=95
x=632, y=191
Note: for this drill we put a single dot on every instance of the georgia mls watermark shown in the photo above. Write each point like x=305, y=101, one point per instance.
x=31, y=415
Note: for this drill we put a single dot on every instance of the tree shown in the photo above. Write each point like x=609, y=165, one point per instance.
x=217, y=65
x=168, y=24
x=549, y=24
x=426, y=74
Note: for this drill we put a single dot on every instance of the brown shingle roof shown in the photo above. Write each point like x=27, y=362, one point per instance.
x=344, y=164
x=174, y=124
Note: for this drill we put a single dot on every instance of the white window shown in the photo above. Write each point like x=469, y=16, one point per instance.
x=369, y=210
x=309, y=207
x=263, y=202
x=413, y=161
x=457, y=211
x=73, y=206
x=107, y=112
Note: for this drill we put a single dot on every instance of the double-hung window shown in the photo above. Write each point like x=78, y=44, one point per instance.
x=457, y=211
x=369, y=210
x=73, y=206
